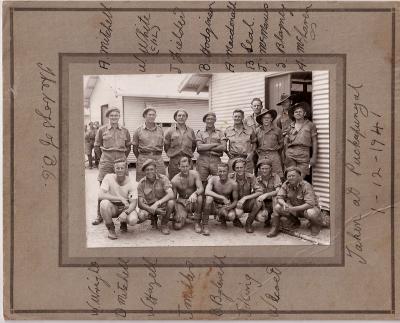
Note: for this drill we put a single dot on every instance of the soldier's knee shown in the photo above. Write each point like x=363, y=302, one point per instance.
x=142, y=215
x=178, y=225
x=312, y=213
x=105, y=205
x=171, y=204
x=239, y=212
x=133, y=218
x=209, y=200
x=278, y=208
x=262, y=216
x=231, y=215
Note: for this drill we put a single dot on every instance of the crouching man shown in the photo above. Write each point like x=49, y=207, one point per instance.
x=248, y=189
x=188, y=190
x=156, y=198
x=295, y=199
x=118, y=199
x=221, y=198
x=269, y=184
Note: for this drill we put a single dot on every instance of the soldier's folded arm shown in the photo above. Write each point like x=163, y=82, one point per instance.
x=205, y=147
x=220, y=148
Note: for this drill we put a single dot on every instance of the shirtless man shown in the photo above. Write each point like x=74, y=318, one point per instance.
x=188, y=191
x=221, y=198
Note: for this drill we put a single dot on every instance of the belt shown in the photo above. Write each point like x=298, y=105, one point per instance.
x=210, y=154
x=239, y=156
x=152, y=153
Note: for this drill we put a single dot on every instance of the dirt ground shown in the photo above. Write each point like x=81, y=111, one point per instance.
x=142, y=235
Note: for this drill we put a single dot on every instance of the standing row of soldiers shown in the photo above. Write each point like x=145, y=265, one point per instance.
x=277, y=142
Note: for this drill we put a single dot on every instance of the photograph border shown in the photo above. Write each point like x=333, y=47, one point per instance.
x=11, y=168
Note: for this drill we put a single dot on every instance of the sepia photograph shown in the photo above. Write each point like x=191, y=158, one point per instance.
x=207, y=159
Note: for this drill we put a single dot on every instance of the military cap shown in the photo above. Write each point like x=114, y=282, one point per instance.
x=271, y=112
x=284, y=97
x=147, y=110
x=292, y=168
x=147, y=163
x=111, y=109
x=209, y=114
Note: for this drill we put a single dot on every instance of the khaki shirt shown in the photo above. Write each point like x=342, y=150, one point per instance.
x=246, y=186
x=270, y=139
x=153, y=192
x=109, y=138
x=180, y=142
x=299, y=194
x=303, y=137
x=216, y=136
x=269, y=185
x=240, y=141
x=148, y=140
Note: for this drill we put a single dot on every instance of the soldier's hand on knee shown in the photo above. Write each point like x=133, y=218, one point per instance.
x=240, y=203
x=193, y=198
x=123, y=216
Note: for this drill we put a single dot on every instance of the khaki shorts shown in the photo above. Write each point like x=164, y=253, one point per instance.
x=207, y=165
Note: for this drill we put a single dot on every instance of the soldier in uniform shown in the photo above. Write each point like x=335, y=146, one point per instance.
x=248, y=189
x=296, y=198
x=118, y=195
x=211, y=143
x=221, y=198
x=147, y=143
x=301, y=137
x=97, y=154
x=155, y=195
x=179, y=141
x=256, y=105
x=283, y=121
x=269, y=140
x=188, y=190
x=269, y=184
x=250, y=121
x=241, y=141
x=114, y=142
x=90, y=136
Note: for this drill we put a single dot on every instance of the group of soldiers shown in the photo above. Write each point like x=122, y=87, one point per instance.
x=269, y=157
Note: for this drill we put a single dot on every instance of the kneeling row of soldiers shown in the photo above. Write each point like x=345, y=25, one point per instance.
x=227, y=196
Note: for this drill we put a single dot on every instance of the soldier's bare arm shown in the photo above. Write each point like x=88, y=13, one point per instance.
x=235, y=197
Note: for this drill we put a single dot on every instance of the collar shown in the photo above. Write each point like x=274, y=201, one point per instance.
x=295, y=186
x=151, y=129
x=212, y=129
x=109, y=126
x=176, y=126
x=157, y=177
